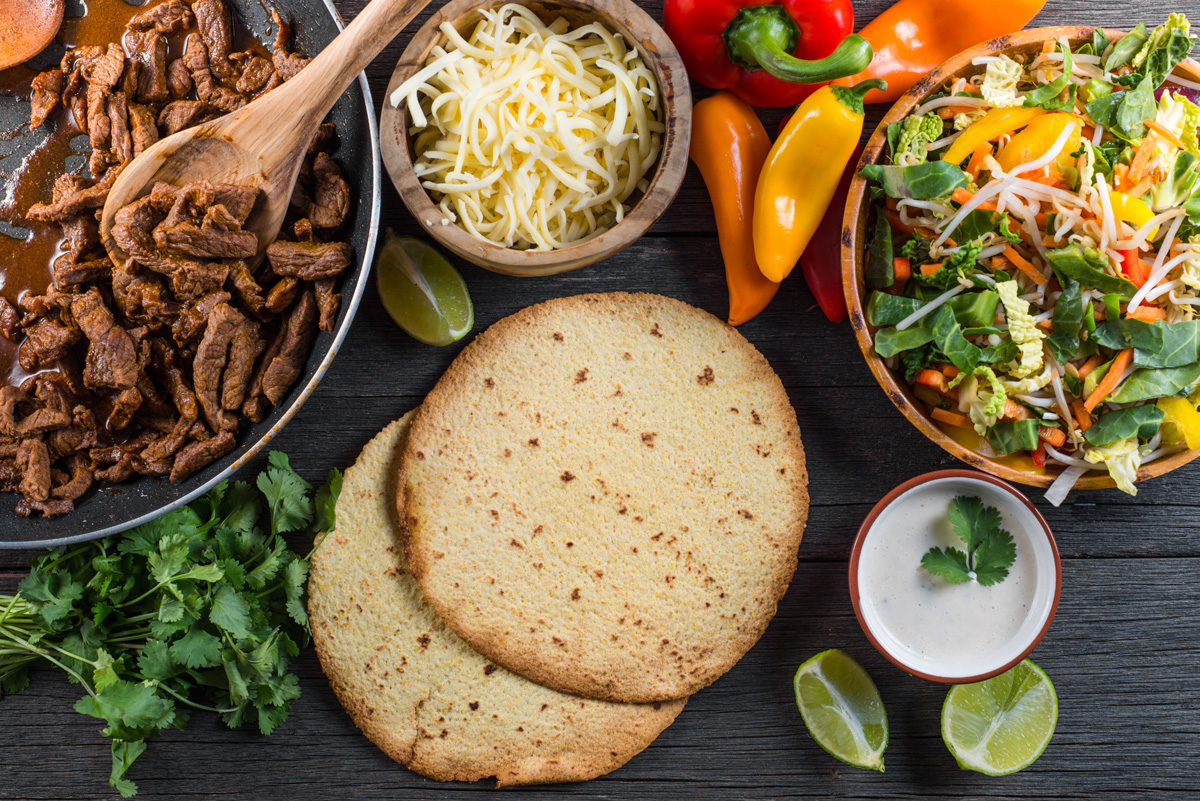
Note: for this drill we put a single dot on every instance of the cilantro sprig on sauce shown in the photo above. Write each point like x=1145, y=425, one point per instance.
x=990, y=550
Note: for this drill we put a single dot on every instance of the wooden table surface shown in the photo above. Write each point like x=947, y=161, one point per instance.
x=1122, y=652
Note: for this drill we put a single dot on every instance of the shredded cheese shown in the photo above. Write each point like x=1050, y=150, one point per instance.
x=530, y=135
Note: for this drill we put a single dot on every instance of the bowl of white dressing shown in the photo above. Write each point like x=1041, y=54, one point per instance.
x=929, y=625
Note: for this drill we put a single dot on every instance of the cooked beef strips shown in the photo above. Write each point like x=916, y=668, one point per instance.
x=149, y=367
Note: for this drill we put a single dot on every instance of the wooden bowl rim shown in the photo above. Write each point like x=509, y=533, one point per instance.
x=897, y=391
x=665, y=178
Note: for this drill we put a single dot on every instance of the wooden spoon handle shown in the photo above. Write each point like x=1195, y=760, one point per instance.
x=318, y=86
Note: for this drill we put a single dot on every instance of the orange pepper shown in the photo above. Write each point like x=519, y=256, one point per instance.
x=729, y=145
x=914, y=37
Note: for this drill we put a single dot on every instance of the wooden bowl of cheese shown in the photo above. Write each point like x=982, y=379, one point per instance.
x=539, y=196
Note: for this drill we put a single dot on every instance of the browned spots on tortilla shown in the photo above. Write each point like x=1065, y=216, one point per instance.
x=581, y=376
x=424, y=641
x=474, y=705
x=656, y=331
x=648, y=438
x=489, y=382
x=558, y=337
x=706, y=378
x=567, y=476
x=576, y=594
x=533, y=442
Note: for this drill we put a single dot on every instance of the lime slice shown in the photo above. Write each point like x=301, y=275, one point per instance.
x=842, y=709
x=422, y=292
x=1001, y=725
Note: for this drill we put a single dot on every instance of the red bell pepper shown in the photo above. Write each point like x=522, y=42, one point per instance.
x=821, y=261
x=768, y=54
x=1134, y=267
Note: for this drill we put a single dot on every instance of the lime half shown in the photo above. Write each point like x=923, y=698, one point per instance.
x=842, y=709
x=1001, y=725
x=422, y=292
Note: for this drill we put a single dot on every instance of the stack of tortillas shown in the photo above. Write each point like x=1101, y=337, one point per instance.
x=592, y=515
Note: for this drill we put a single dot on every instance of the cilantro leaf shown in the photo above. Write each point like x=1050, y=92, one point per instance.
x=294, y=584
x=52, y=595
x=990, y=549
x=326, y=501
x=155, y=661
x=125, y=704
x=949, y=563
x=287, y=495
x=197, y=649
x=994, y=557
x=124, y=752
x=202, y=607
x=230, y=612
x=972, y=521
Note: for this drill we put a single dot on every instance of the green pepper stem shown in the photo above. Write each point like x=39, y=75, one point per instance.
x=852, y=96
x=763, y=37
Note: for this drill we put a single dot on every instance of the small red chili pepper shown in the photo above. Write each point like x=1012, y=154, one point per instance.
x=821, y=261
x=768, y=54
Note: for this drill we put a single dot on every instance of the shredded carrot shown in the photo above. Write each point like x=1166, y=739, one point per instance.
x=1090, y=365
x=1048, y=46
x=932, y=379
x=961, y=195
x=1014, y=411
x=1049, y=241
x=1046, y=324
x=1141, y=159
x=1087, y=133
x=894, y=218
x=1042, y=219
x=1110, y=380
x=1082, y=417
x=930, y=269
x=976, y=162
x=1055, y=436
x=1024, y=265
x=901, y=269
x=948, y=112
x=950, y=418
x=1120, y=177
x=950, y=371
x=1148, y=314
x=1143, y=186
x=1165, y=133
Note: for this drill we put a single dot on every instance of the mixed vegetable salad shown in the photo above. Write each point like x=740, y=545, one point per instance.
x=1035, y=256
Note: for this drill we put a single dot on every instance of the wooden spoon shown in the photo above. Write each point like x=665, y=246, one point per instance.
x=26, y=27
x=262, y=144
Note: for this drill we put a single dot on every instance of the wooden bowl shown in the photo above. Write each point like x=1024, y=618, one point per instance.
x=621, y=16
x=856, y=236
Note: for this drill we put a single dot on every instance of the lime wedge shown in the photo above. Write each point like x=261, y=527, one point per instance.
x=422, y=292
x=842, y=709
x=1001, y=725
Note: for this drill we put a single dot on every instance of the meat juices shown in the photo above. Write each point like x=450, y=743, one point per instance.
x=149, y=367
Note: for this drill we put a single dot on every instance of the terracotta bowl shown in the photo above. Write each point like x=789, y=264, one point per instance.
x=666, y=176
x=1050, y=554
x=856, y=236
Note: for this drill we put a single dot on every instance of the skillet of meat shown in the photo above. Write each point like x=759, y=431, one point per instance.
x=155, y=367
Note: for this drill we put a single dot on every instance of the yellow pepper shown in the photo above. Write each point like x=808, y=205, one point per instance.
x=1132, y=210
x=801, y=174
x=992, y=125
x=1033, y=142
x=1181, y=422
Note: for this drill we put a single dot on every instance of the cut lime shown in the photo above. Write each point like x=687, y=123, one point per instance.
x=422, y=292
x=842, y=709
x=1001, y=725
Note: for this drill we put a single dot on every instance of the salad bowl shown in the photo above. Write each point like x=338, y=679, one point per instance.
x=856, y=235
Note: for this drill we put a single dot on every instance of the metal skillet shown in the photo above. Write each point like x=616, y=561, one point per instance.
x=114, y=508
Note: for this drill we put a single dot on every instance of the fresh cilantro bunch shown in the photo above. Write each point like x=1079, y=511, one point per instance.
x=990, y=549
x=202, y=608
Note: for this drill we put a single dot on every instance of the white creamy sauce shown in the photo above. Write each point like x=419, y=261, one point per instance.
x=944, y=629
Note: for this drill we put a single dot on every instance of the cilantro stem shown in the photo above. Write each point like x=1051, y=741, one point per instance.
x=46, y=655
x=191, y=703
